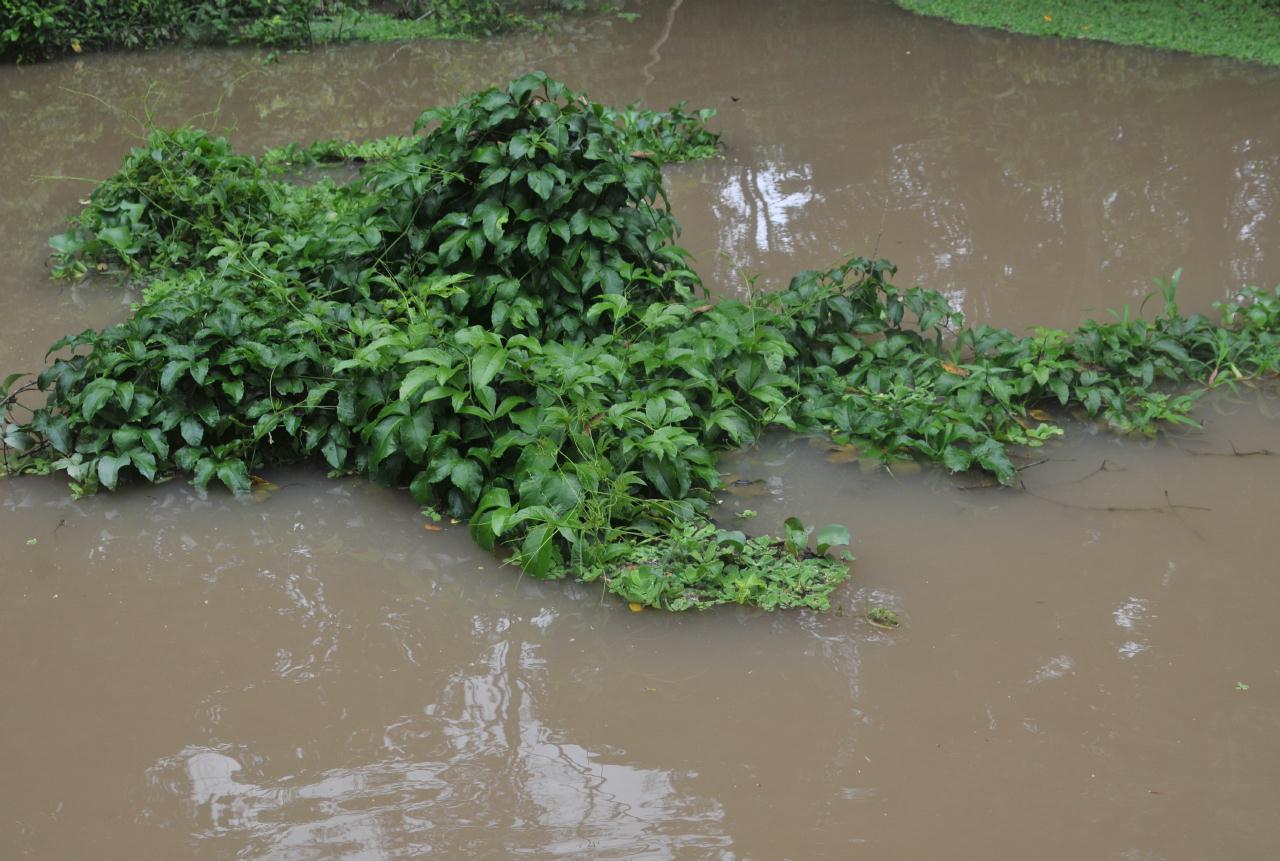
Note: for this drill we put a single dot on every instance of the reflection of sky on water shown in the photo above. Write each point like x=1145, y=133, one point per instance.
x=478, y=770
x=1054, y=668
x=1132, y=616
x=1060, y=195
x=759, y=202
x=1008, y=216
x=1253, y=199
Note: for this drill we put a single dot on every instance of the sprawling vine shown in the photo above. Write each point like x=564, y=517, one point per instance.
x=496, y=316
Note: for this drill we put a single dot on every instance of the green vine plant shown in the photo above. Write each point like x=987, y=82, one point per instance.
x=495, y=315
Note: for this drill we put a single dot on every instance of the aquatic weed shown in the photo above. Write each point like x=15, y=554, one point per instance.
x=496, y=316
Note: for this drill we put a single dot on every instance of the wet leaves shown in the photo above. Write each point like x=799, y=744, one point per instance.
x=37, y=31
x=497, y=318
x=697, y=565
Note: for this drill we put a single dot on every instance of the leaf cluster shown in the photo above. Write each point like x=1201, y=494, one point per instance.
x=471, y=18
x=496, y=316
x=36, y=30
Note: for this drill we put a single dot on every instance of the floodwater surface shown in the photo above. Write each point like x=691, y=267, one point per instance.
x=1086, y=666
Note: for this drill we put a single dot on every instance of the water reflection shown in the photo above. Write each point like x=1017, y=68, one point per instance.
x=314, y=675
x=476, y=770
x=1132, y=616
x=761, y=203
x=1043, y=183
x=1037, y=183
x=329, y=705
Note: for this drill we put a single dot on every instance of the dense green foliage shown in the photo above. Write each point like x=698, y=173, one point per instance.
x=465, y=18
x=496, y=316
x=1243, y=29
x=37, y=30
x=360, y=20
x=487, y=317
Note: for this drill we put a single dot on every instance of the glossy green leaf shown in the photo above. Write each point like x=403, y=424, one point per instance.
x=234, y=475
x=486, y=364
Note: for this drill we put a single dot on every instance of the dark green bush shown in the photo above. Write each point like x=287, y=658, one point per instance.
x=481, y=319
x=496, y=316
x=484, y=17
x=32, y=30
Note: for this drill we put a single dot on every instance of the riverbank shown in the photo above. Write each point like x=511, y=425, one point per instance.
x=32, y=33
x=1239, y=29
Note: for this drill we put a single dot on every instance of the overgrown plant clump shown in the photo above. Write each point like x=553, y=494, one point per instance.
x=496, y=316
x=37, y=30
x=489, y=316
x=33, y=30
x=469, y=18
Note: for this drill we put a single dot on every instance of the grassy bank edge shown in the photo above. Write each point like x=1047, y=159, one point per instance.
x=1239, y=29
x=370, y=25
x=43, y=37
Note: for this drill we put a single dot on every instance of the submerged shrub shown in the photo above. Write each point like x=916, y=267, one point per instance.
x=483, y=317
x=495, y=316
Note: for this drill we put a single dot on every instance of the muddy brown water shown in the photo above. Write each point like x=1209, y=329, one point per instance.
x=314, y=675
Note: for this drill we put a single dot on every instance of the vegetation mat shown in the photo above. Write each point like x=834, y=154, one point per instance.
x=495, y=315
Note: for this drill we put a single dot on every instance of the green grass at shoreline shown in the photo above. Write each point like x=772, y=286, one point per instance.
x=366, y=26
x=33, y=32
x=1240, y=29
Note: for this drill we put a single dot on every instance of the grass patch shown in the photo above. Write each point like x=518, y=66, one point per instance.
x=1241, y=29
x=362, y=25
x=406, y=20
